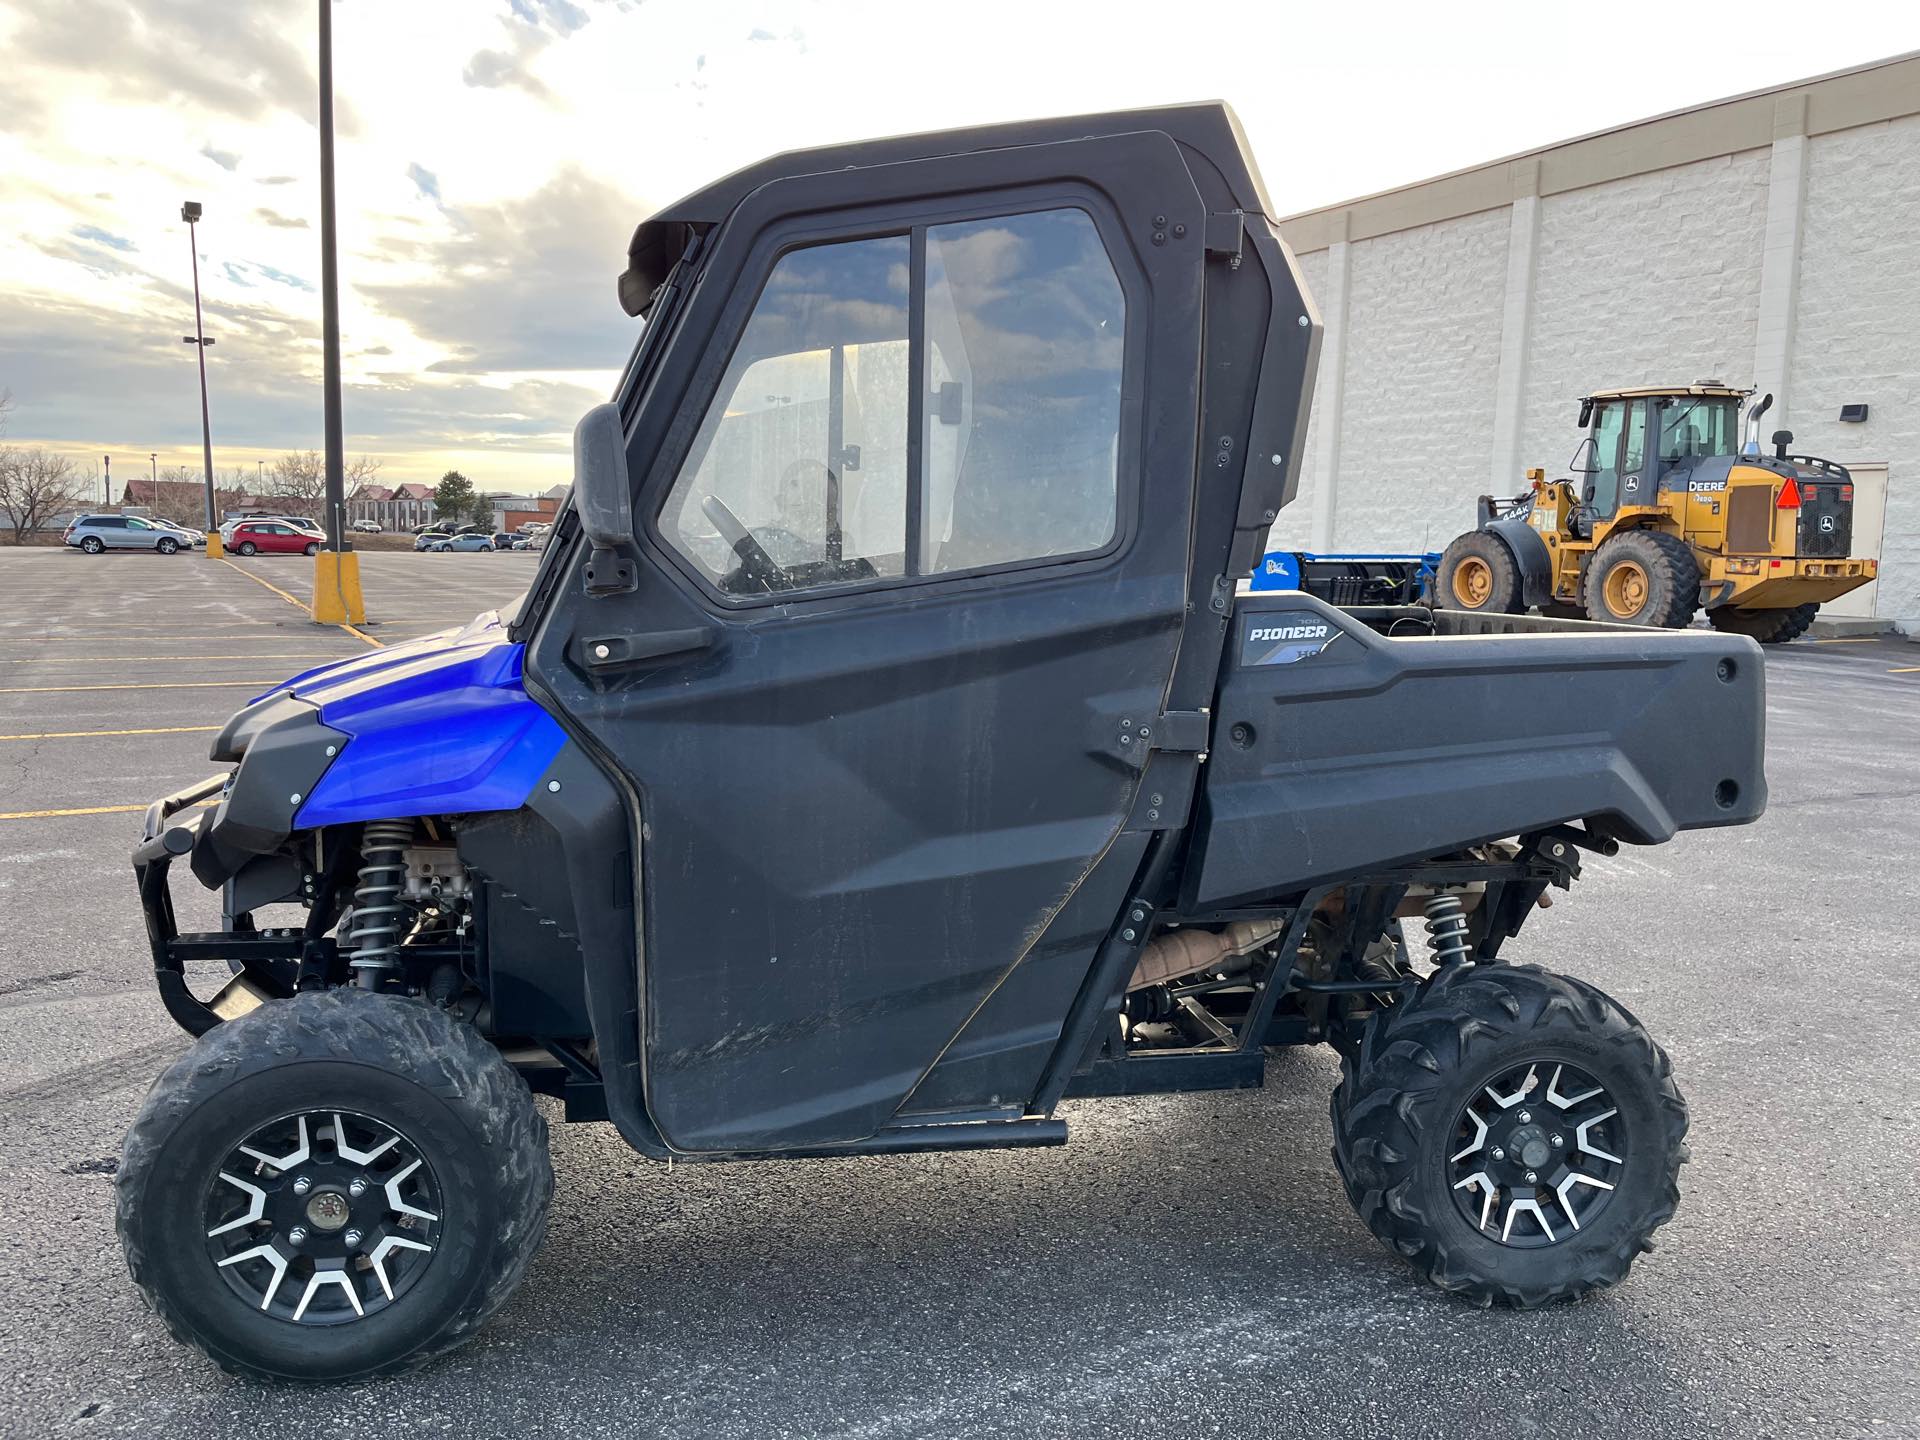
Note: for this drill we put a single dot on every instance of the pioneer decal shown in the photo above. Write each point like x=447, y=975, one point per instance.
x=1282, y=639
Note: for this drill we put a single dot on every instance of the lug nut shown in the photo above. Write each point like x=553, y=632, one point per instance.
x=352, y=1237
x=1498, y=1153
x=1559, y=1140
x=298, y=1235
x=1525, y=1118
x=359, y=1185
x=302, y=1185
x=1531, y=1177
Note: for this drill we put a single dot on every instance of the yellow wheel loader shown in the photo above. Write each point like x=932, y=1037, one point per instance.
x=1669, y=512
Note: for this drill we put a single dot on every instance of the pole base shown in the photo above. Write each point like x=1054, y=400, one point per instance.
x=336, y=589
x=214, y=548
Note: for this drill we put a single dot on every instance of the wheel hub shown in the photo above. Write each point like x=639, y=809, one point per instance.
x=329, y=1210
x=323, y=1218
x=1537, y=1153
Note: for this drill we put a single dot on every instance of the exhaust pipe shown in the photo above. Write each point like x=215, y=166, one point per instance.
x=1750, y=449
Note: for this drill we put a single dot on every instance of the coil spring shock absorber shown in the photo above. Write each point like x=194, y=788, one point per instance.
x=1446, y=928
x=376, y=899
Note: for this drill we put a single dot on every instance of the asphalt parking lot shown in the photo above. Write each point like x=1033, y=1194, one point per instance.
x=1187, y=1265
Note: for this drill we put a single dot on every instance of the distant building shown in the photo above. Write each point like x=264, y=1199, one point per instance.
x=393, y=507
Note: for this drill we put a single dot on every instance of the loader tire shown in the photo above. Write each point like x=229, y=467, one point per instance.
x=1478, y=572
x=1769, y=627
x=1643, y=577
x=1519, y=1050
x=384, y=1153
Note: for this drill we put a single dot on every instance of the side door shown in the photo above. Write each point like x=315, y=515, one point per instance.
x=112, y=529
x=915, y=487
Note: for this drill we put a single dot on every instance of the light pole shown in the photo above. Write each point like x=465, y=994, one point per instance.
x=190, y=212
x=107, y=460
x=336, y=575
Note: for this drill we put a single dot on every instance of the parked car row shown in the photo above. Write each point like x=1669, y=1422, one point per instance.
x=472, y=540
x=95, y=533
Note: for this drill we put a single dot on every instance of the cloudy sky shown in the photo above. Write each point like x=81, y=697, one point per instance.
x=494, y=156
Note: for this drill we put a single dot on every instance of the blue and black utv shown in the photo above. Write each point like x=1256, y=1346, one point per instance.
x=884, y=752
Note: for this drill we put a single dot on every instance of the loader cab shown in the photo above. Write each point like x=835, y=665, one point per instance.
x=1638, y=440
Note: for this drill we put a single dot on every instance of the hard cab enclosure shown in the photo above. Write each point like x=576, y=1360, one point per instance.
x=883, y=750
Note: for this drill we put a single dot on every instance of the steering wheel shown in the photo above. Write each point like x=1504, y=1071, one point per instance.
x=755, y=562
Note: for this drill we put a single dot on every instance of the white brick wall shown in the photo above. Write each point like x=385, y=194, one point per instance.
x=1423, y=355
x=1652, y=280
x=1857, y=330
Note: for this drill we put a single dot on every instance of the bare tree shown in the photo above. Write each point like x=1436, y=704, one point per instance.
x=298, y=480
x=36, y=487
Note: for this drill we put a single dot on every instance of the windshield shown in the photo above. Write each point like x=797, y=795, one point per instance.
x=1702, y=425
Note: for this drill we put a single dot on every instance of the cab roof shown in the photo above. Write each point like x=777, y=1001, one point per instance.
x=1208, y=130
x=1699, y=387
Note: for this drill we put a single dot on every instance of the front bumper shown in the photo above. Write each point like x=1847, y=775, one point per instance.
x=171, y=829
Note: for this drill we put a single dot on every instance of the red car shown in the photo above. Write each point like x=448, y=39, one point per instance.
x=271, y=537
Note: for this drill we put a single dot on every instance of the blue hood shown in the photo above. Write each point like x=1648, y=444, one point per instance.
x=436, y=726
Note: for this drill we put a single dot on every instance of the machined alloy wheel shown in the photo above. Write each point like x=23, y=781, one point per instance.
x=313, y=549
x=1515, y=1134
x=334, y=1186
x=167, y=545
x=247, y=547
x=1541, y=1153
x=91, y=544
x=323, y=1218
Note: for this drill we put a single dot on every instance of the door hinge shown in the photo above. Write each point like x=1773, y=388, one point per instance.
x=1225, y=231
x=1181, y=732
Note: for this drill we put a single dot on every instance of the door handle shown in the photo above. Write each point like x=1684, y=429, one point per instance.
x=613, y=652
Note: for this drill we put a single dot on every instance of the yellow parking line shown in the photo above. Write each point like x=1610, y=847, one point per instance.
x=87, y=810
x=296, y=600
x=149, y=685
x=1906, y=670
x=1848, y=640
x=117, y=659
x=92, y=734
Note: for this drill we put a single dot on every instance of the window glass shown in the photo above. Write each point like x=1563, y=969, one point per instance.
x=138, y=524
x=1026, y=331
x=1605, y=482
x=798, y=474
x=1636, y=447
x=110, y=522
x=1699, y=426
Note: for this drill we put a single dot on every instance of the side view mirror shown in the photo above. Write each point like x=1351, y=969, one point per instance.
x=603, y=500
x=1586, y=458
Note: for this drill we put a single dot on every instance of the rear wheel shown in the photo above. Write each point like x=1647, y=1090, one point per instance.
x=1478, y=572
x=335, y=1186
x=1513, y=1133
x=247, y=547
x=1643, y=577
x=1769, y=627
x=91, y=544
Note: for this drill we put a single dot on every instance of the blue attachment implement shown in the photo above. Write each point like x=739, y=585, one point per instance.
x=1358, y=579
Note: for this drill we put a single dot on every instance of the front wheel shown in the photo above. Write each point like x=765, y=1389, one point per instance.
x=313, y=549
x=1514, y=1133
x=168, y=545
x=334, y=1186
x=1478, y=572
